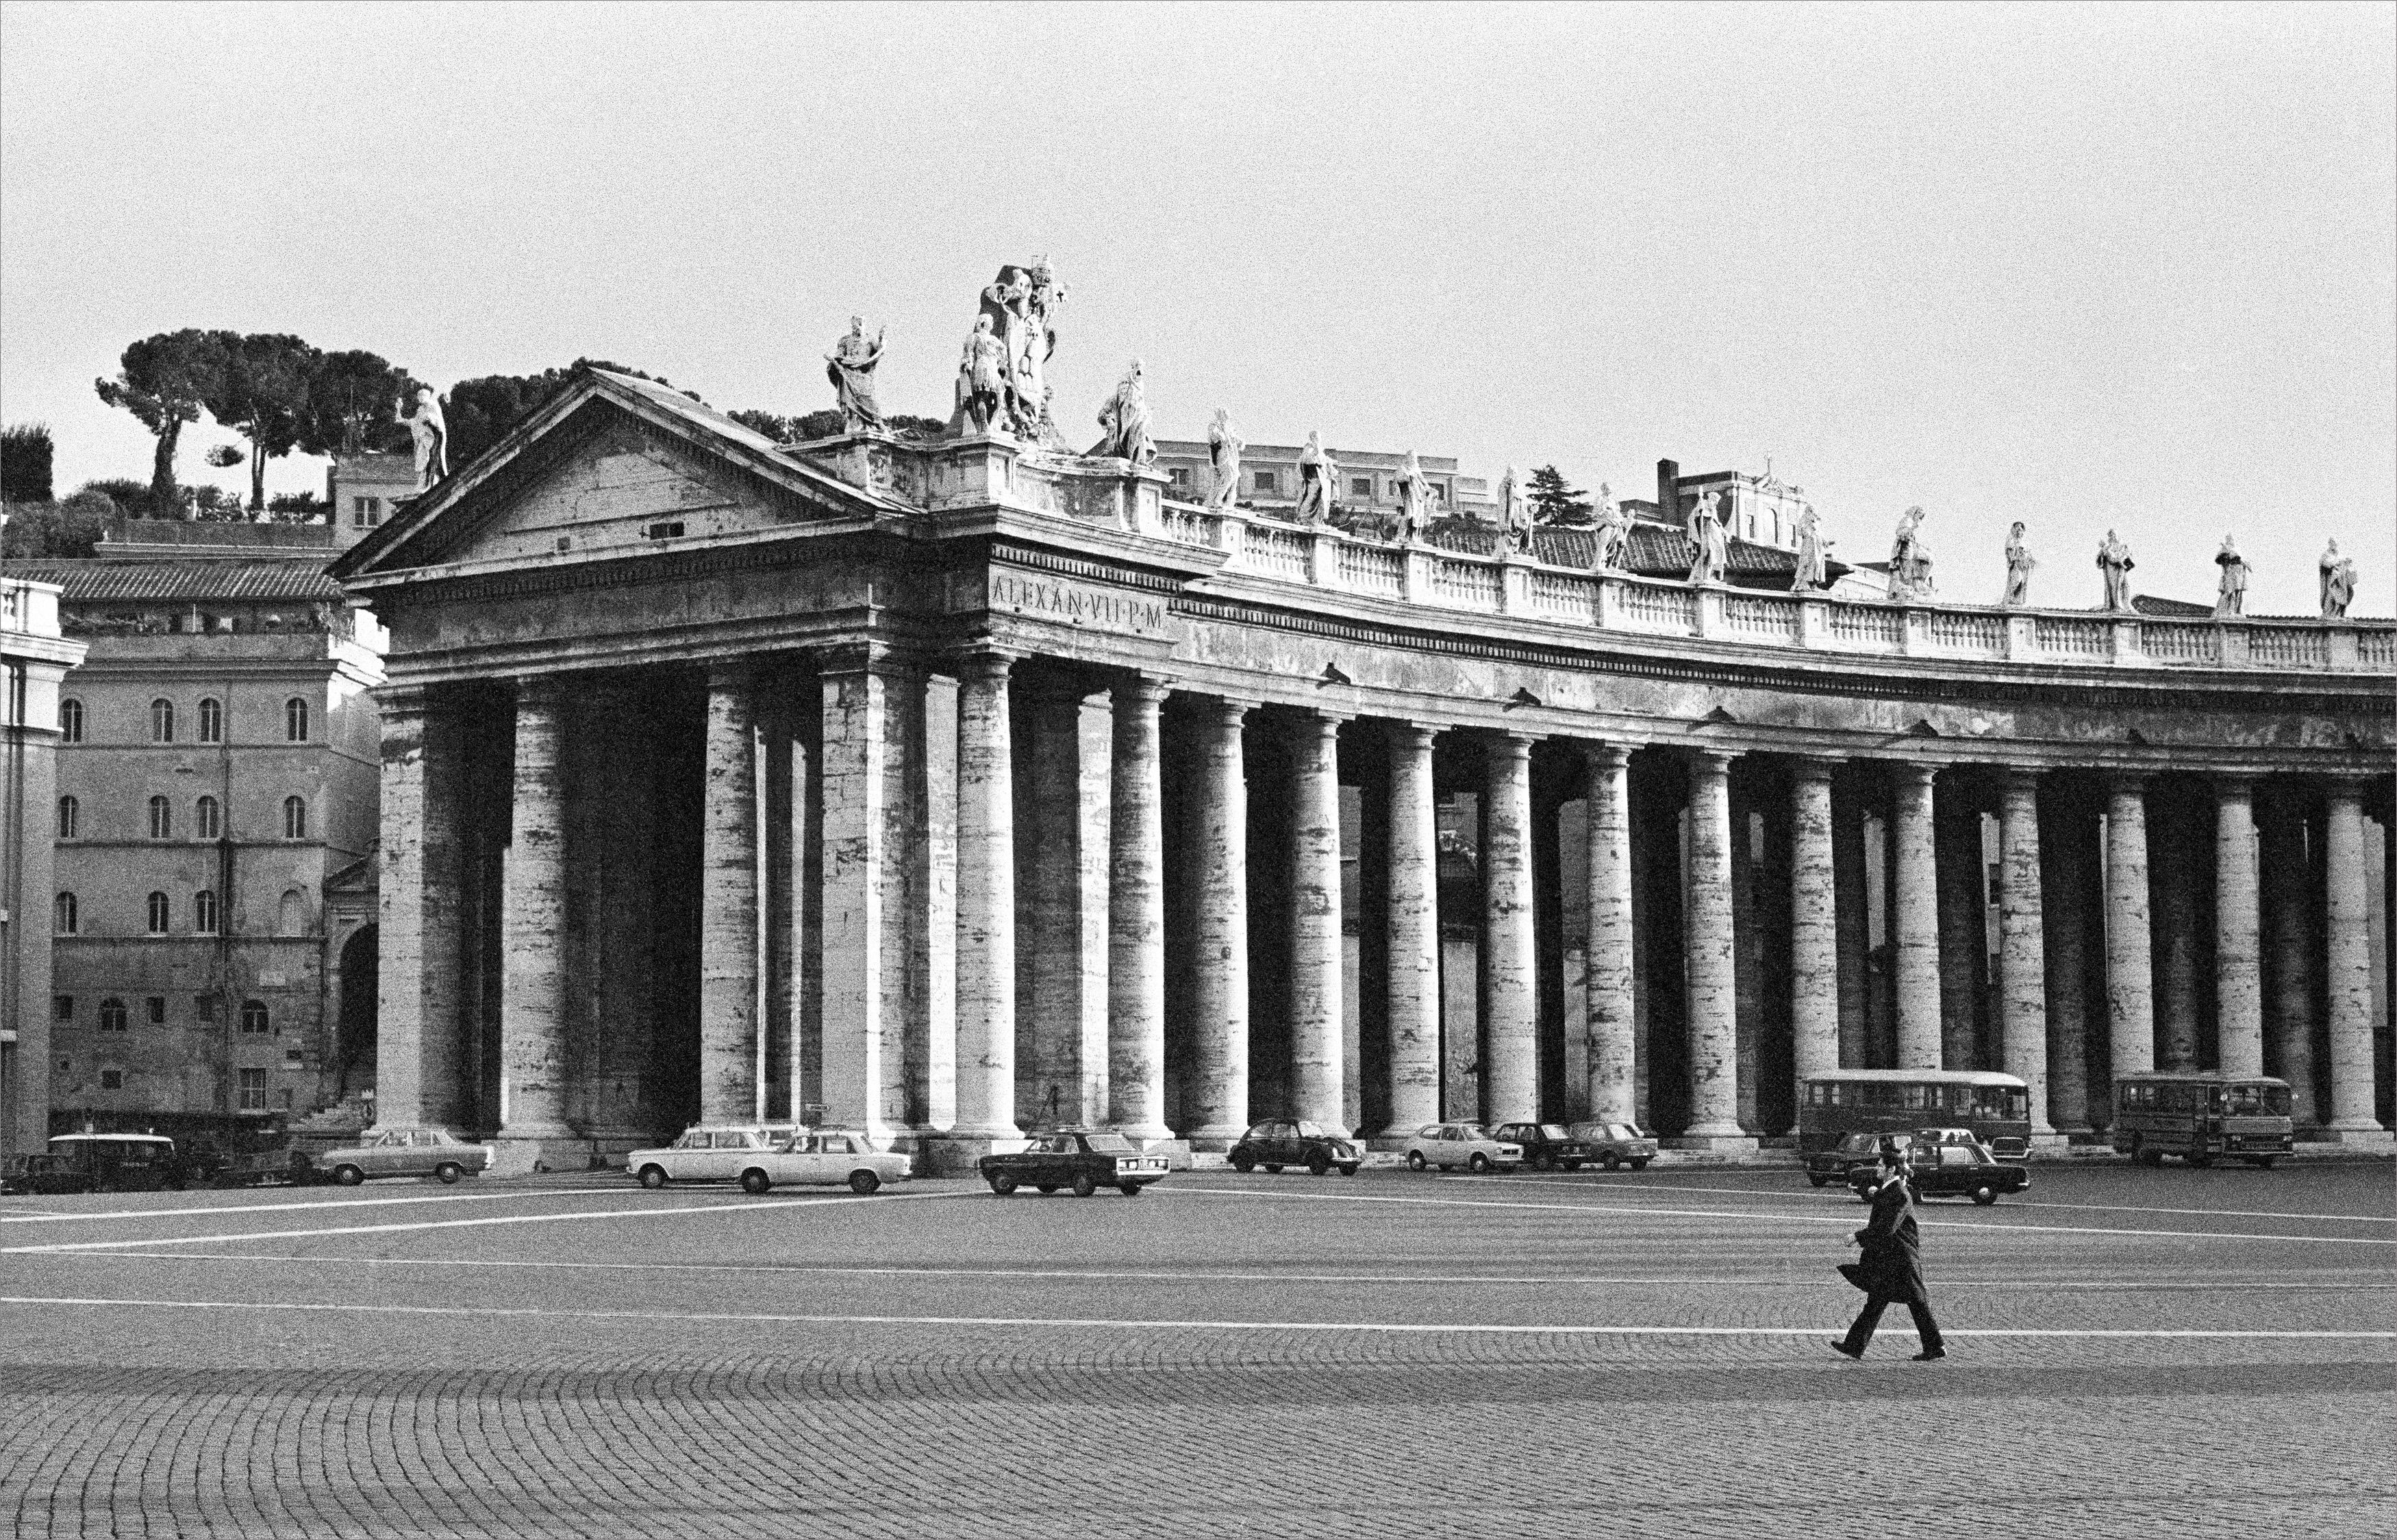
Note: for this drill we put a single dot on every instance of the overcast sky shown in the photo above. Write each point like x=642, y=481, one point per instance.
x=2081, y=266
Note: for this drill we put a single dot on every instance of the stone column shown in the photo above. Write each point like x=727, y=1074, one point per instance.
x=1852, y=921
x=730, y=906
x=2289, y=941
x=2022, y=950
x=532, y=922
x=1963, y=925
x=1061, y=878
x=1218, y=1099
x=1813, y=924
x=985, y=904
x=1136, y=918
x=2347, y=959
x=2065, y=885
x=1914, y=917
x=1317, y=1051
x=1608, y=990
x=1414, y=934
x=2173, y=873
x=2238, y=964
x=1713, y=985
x=2130, y=979
x=420, y=934
x=1510, y=1069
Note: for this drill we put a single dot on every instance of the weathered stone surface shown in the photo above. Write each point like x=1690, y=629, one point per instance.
x=1713, y=984
x=1609, y=969
x=2022, y=950
x=2130, y=984
x=533, y=1047
x=1218, y=1093
x=1136, y=919
x=2237, y=960
x=1914, y=917
x=2289, y=936
x=2068, y=852
x=1814, y=923
x=2348, y=964
x=419, y=935
x=731, y=935
x=1510, y=1072
x=1315, y=963
x=985, y=978
x=1414, y=1059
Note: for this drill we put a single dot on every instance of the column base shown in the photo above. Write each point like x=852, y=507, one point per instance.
x=2359, y=1136
x=528, y=1154
x=1177, y=1152
x=955, y=1154
x=1213, y=1140
x=2054, y=1142
x=1712, y=1144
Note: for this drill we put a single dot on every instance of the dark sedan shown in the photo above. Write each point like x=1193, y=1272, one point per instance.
x=1082, y=1159
x=1950, y=1171
x=1278, y=1142
x=1547, y=1147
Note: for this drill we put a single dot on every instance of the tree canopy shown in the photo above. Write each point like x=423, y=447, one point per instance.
x=26, y=452
x=165, y=380
x=1554, y=501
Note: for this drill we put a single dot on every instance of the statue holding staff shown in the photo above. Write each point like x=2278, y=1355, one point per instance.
x=2337, y=583
x=2232, y=599
x=1813, y=555
x=2114, y=560
x=1125, y=418
x=1317, y=478
x=1224, y=448
x=1910, y=559
x=849, y=367
x=2019, y=563
x=1709, y=547
x=431, y=432
x=1613, y=532
x=981, y=378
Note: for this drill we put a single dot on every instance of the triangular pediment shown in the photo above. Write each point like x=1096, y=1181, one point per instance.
x=611, y=466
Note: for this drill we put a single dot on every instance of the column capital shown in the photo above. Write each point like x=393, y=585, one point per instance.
x=541, y=690
x=1148, y=689
x=731, y=673
x=1814, y=766
x=1327, y=721
x=1603, y=754
x=2239, y=784
x=985, y=663
x=1417, y=735
x=2125, y=782
x=1229, y=711
x=402, y=700
x=1713, y=758
x=1913, y=769
x=867, y=657
x=2018, y=778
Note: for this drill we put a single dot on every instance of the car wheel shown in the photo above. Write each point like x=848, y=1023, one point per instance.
x=2199, y=1161
x=348, y=1176
x=1130, y=1189
x=754, y=1181
x=1818, y=1179
x=1480, y=1162
x=866, y=1184
x=1572, y=1165
x=1001, y=1182
x=1348, y=1169
x=1415, y=1161
x=1985, y=1194
x=1641, y=1164
x=1044, y=1188
x=1318, y=1166
x=1084, y=1184
x=1274, y=1166
x=1611, y=1162
x=2261, y=1162
x=653, y=1176
x=447, y=1173
x=1244, y=1162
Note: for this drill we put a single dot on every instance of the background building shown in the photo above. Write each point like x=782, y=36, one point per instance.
x=1369, y=479
x=34, y=658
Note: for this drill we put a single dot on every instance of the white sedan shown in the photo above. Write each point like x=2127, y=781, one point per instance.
x=1449, y=1146
x=761, y=1157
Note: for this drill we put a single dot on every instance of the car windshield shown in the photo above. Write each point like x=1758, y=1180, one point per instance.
x=1111, y=1143
x=1313, y=1131
x=1472, y=1131
x=1859, y=1144
x=1553, y=1131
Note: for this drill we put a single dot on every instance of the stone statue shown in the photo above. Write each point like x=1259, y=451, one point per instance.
x=1021, y=306
x=1710, y=548
x=1910, y=559
x=1814, y=572
x=981, y=378
x=432, y=435
x=1613, y=532
x=1125, y=418
x=1319, y=478
x=849, y=367
x=1514, y=513
x=1414, y=500
x=1224, y=449
x=2232, y=599
x=2337, y=583
x=2019, y=563
x=2114, y=560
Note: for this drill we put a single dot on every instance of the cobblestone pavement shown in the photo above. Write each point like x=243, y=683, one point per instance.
x=2206, y=1353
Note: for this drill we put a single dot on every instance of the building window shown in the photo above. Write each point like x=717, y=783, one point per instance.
x=157, y=914
x=112, y=1080
x=162, y=818
x=207, y=819
x=203, y=1008
x=63, y=1008
x=162, y=721
x=291, y=915
x=295, y=720
x=365, y=511
x=1177, y=475
x=71, y=721
x=1266, y=482
x=69, y=811
x=111, y=1014
x=154, y=1010
x=1361, y=486
x=204, y=911
x=211, y=720
x=295, y=818
x=253, y=1017
x=253, y=1090
x=64, y=914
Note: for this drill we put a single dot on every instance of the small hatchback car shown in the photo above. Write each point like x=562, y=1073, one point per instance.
x=1547, y=1147
x=1278, y=1143
x=1616, y=1145
x=1449, y=1146
x=422, y=1151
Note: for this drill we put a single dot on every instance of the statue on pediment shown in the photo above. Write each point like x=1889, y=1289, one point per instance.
x=1224, y=446
x=982, y=378
x=2114, y=561
x=1414, y=500
x=431, y=432
x=2337, y=583
x=1910, y=559
x=1814, y=574
x=1022, y=307
x=2019, y=563
x=2231, y=598
x=1318, y=476
x=850, y=366
x=1125, y=418
x=1514, y=513
x=1611, y=532
x=1709, y=547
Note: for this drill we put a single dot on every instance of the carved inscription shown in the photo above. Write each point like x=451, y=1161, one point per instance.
x=1077, y=604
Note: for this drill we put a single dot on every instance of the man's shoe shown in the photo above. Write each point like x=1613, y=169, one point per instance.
x=1931, y=1354
x=1839, y=1346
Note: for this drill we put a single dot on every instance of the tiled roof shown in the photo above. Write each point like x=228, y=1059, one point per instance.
x=101, y=579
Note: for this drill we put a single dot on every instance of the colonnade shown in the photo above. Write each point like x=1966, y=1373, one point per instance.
x=899, y=904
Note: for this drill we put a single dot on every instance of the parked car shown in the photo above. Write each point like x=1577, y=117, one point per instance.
x=1084, y=1159
x=99, y=1162
x=764, y=1157
x=1617, y=1145
x=421, y=1150
x=1449, y=1146
x=1278, y=1143
x=705, y=1152
x=1547, y=1147
x=1854, y=1150
x=1966, y=1169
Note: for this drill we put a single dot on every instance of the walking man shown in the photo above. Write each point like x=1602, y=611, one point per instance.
x=1890, y=1271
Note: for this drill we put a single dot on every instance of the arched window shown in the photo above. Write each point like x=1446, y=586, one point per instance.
x=295, y=818
x=157, y=914
x=162, y=721
x=71, y=720
x=291, y=915
x=207, y=819
x=64, y=914
x=204, y=911
x=295, y=720
x=253, y=1016
x=162, y=818
x=211, y=720
x=70, y=816
x=111, y=1014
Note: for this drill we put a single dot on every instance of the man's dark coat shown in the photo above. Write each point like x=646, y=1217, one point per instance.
x=1891, y=1268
